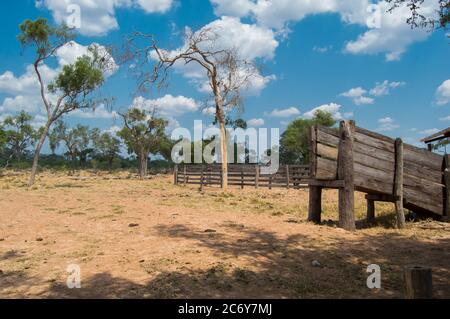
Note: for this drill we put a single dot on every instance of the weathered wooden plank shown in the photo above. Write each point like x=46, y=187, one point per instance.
x=370, y=185
x=327, y=151
x=327, y=184
x=369, y=161
x=327, y=139
x=422, y=185
x=423, y=158
x=415, y=197
x=374, y=152
x=374, y=142
x=423, y=172
x=386, y=177
x=374, y=135
x=326, y=169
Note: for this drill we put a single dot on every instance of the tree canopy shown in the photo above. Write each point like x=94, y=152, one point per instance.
x=294, y=143
x=144, y=134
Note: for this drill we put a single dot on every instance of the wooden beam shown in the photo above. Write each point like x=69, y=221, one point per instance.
x=315, y=204
x=398, y=183
x=185, y=175
x=257, y=177
x=346, y=173
x=327, y=184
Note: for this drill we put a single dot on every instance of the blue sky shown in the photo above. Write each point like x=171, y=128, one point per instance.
x=324, y=54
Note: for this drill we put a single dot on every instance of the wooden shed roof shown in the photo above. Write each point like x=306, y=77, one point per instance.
x=437, y=136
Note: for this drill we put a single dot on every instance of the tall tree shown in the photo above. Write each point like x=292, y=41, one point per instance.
x=73, y=85
x=294, y=143
x=106, y=146
x=143, y=133
x=417, y=19
x=226, y=72
x=76, y=141
x=19, y=135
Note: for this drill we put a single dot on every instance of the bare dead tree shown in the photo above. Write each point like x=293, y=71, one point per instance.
x=226, y=73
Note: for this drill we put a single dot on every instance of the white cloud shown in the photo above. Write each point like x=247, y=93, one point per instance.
x=387, y=124
x=322, y=49
x=39, y=121
x=357, y=95
x=98, y=17
x=251, y=42
x=292, y=111
x=443, y=93
x=392, y=36
x=332, y=108
x=100, y=112
x=168, y=105
x=384, y=87
x=255, y=122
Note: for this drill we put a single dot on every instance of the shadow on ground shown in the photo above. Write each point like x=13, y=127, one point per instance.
x=280, y=268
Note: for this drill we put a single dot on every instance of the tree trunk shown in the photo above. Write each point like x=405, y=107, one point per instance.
x=110, y=163
x=37, y=153
x=224, y=155
x=142, y=162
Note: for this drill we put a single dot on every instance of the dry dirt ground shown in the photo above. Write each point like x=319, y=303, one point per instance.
x=152, y=239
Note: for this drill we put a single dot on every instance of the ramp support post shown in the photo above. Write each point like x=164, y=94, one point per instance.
x=315, y=204
x=447, y=187
x=346, y=173
x=398, y=183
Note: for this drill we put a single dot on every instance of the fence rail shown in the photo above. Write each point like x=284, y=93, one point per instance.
x=288, y=176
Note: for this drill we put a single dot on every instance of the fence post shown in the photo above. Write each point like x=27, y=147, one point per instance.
x=287, y=177
x=418, y=283
x=242, y=177
x=315, y=204
x=398, y=183
x=257, y=177
x=175, y=174
x=346, y=173
x=184, y=176
x=201, y=178
x=447, y=186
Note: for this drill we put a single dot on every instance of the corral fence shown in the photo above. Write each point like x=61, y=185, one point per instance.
x=353, y=158
x=250, y=175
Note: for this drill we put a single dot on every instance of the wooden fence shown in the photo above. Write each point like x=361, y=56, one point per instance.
x=288, y=176
x=353, y=158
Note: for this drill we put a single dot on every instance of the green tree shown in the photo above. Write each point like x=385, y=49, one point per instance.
x=18, y=136
x=106, y=146
x=417, y=19
x=73, y=85
x=76, y=141
x=144, y=134
x=295, y=141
